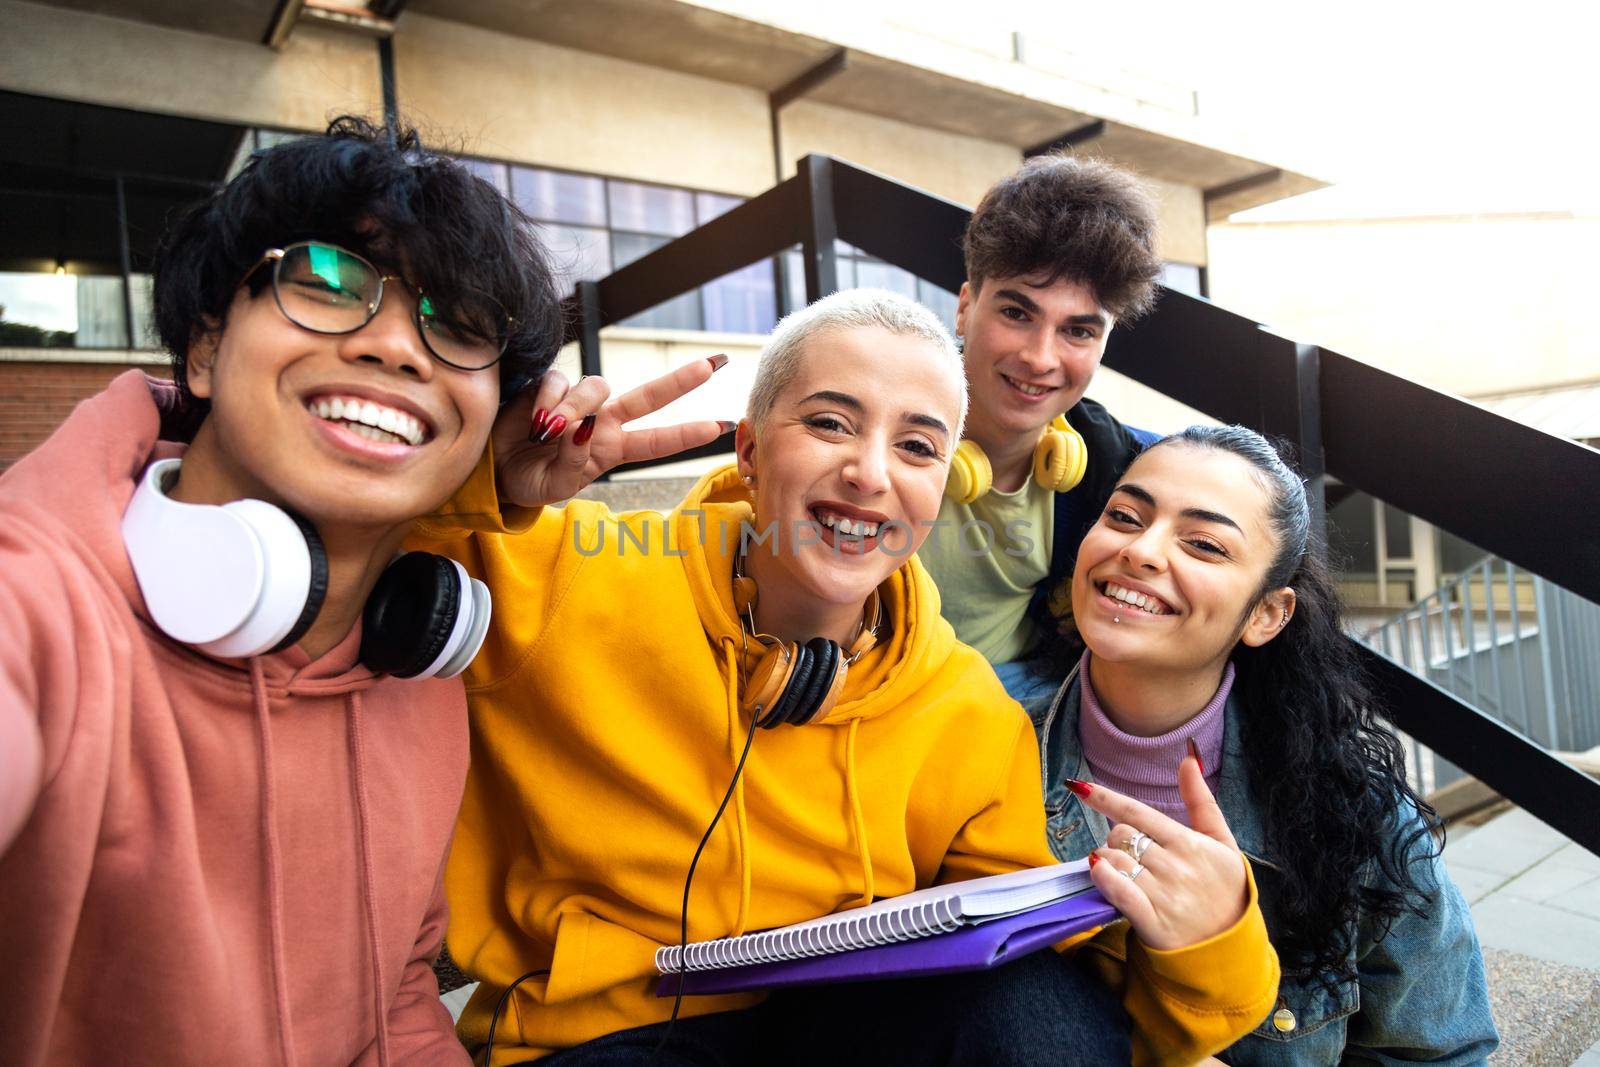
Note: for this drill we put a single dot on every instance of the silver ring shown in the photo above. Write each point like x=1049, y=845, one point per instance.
x=1137, y=845
x=1138, y=869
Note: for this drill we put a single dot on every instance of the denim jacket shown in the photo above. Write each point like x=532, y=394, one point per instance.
x=1419, y=994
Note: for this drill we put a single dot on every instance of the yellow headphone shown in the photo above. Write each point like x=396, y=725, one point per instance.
x=1059, y=462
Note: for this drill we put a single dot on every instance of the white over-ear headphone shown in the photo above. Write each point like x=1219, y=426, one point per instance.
x=248, y=578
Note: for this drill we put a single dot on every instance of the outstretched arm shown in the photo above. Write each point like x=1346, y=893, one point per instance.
x=28, y=581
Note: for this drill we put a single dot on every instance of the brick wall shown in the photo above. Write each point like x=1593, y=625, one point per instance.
x=35, y=397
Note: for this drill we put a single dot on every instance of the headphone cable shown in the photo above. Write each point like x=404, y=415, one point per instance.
x=683, y=915
x=494, y=1020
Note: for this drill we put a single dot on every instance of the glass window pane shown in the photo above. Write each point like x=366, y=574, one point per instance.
x=559, y=197
x=876, y=274
x=144, y=307
x=709, y=205
x=794, y=278
x=651, y=208
x=38, y=310
x=940, y=302
x=681, y=312
x=102, y=317
x=1184, y=277
x=496, y=174
x=578, y=253
x=742, y=302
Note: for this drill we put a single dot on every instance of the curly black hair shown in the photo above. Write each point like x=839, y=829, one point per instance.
x=377, y=192
x=1060, y=216
x=1326, y=770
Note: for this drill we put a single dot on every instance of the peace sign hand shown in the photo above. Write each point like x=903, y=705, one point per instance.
x=547, y=460
x=1187, y=884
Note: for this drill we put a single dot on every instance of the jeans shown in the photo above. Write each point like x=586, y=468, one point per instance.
x=1041, y=1009
x=1028, y=683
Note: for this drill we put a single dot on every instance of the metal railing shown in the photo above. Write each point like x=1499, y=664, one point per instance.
x=1440, y=458
x=1518, y=647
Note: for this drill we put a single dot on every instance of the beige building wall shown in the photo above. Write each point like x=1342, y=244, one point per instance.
x=952, y=166
x=506, y=97
x=1182, y=237
x=76, y=56
x=1470, y=305
x=511, y=98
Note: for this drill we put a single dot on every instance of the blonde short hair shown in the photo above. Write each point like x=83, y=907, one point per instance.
x=847, y=309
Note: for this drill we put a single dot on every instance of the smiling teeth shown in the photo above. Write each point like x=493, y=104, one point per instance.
x=1137, y=600
x=853, y=529
x=1029, y=390
x=372, y=421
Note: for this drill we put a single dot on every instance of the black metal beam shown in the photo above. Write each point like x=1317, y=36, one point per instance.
x=586, y=304
x=1517, y=492
x=1296, y=415
x=756, y=229
x=818, y=247
x=1073, y=137
x=125, y=255
x=1244, y=184
x=808, y=80
x=792, y=90
x=907, y=227
x=1550, y=790
x=391, y=102
x=284, y=17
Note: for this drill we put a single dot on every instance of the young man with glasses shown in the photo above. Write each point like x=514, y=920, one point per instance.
x=222, y=842
x=1057, y=254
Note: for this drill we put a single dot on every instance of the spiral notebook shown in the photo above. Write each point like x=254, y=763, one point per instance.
x=924, y=913
x=970, y=948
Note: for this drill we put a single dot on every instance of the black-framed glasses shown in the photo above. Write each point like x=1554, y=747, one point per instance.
x=327, y=289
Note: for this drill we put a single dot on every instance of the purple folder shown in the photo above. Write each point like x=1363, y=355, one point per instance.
x=971, y=948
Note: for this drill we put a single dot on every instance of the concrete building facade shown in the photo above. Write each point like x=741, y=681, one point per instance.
x=618, y=123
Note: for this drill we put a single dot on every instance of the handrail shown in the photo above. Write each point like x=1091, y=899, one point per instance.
x=1441, y=458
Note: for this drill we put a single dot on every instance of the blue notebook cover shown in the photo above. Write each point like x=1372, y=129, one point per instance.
x=971, y=948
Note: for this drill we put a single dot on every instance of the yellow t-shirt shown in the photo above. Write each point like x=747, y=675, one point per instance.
x=986, y=558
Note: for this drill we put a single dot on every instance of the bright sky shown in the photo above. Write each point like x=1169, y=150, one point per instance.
x=1410, y=106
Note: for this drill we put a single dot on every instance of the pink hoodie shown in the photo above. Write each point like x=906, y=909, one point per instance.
x=201, y=860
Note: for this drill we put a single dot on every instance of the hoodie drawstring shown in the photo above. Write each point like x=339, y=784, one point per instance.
x=352, y=705
x=269, y=833
x=738, y=792
x=857, y=817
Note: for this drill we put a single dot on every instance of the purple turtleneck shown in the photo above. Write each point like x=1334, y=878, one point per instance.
x=1146, y=768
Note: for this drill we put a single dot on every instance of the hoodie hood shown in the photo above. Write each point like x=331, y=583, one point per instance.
x=916, y=640
x=84, y=475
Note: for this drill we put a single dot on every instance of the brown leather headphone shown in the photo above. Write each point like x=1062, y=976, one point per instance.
x=792, y=682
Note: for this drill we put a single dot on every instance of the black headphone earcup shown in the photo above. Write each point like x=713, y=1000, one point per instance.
x=824, y=664
x=317, y=589
x=784, y=706
x=410, y=614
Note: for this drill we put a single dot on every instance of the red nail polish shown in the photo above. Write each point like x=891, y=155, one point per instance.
x=585, y=431
x=553, y=429
x=1094, y=858
x=1080, y=788
x=1195, y=752
x=540, y=418
x=717, y=361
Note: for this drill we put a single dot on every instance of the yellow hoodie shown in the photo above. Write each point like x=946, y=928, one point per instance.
x=605, y=729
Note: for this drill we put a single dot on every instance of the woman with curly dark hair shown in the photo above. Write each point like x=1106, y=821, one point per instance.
x=1211, y=631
